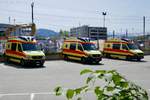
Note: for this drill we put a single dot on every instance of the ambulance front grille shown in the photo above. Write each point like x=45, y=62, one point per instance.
x=140, y=54
x=96, y=55
x=37, y=57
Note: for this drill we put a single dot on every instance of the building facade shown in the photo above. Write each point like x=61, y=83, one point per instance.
x=91, y=32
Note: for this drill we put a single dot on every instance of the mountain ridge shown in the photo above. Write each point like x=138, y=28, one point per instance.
x=46, y=32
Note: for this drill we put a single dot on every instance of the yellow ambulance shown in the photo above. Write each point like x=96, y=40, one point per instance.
x=81, y=49
x=23, y=50
x=122, y=48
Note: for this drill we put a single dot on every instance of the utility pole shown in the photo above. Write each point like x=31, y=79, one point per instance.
x=104, y=14
x=32, y=5
x=9, y=19
x=126, y=33
x=14, y=21
x=113, y=34
x=98, y=40
x=144, y=30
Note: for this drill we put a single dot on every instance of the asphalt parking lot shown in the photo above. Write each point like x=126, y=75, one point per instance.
x=31, y=83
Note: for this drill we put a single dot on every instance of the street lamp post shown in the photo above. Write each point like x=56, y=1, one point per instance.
x=32, y=5
x=104, y=14
x=144, y=30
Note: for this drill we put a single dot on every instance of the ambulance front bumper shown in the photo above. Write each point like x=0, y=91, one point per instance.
x=138, y=57
x=94, y=59
x=34, y=62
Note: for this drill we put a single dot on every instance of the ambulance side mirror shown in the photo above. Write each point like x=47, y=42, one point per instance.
x=81, y=49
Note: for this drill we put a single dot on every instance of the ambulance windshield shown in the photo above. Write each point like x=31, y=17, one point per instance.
x=132, y=46
x=89, y=46
x=29, y=47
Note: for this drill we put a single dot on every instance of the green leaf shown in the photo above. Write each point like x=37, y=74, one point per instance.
x=116, y=79
x=97, y=91
x=112, y=71
x=124, y=84
x=110, y=88
x=101, y=76
x=85, y=71
x=58, y=91
x=89, y=79
x=70, y=94
x=100, y=71
x=78, y=91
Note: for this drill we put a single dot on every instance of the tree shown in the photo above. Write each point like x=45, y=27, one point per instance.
x=64, y=33
x=115, y=87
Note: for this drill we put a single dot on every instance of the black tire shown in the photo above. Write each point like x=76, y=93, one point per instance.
x=97, y=62
x=128, y=58
x=138, y=59
x=22, y=62
x=107, y=55
x=83, y=60
x=41, y=64
x=66, y=57
x=6, y=58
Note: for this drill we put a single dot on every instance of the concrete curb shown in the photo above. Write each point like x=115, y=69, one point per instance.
x=146, y=52
x=56, y=56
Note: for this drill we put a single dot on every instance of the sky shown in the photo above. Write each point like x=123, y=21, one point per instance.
x=121, y=15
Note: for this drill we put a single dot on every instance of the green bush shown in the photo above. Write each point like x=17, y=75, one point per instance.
x=115, y=87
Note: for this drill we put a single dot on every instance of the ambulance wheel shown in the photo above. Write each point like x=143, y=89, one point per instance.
x=22, y=62
x=65, y=57
x=138, y=59
x=6, y=58
x=128, y=58
x=97, y=62
x=107, y=55
x=83, y=60
x=41, y=64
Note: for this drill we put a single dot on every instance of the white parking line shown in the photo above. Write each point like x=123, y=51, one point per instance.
x=4, y=67
x=32, y=95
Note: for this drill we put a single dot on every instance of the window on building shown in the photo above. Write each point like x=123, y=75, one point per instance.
x=73, y=46
x=13, y=46
x=116, y=46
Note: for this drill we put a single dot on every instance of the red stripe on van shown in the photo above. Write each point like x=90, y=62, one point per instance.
x=73, y=51
x=15, y=53
x=16, y=41
x=119, y=51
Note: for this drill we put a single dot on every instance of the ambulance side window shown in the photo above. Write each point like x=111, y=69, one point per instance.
x=116, y=46
x=66, y=45
x=73, y=46
x=124, y=47
x=13, y=46
x=80, y=47
x=8, y=46
x=19, y=48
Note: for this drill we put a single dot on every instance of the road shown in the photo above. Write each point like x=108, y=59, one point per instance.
x=29, y=83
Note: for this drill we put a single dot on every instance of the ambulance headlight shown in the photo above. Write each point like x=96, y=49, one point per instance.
x=28, y=57
x=89, y=55
x=43, y=57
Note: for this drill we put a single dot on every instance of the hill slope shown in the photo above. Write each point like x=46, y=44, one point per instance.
x=46, y=33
